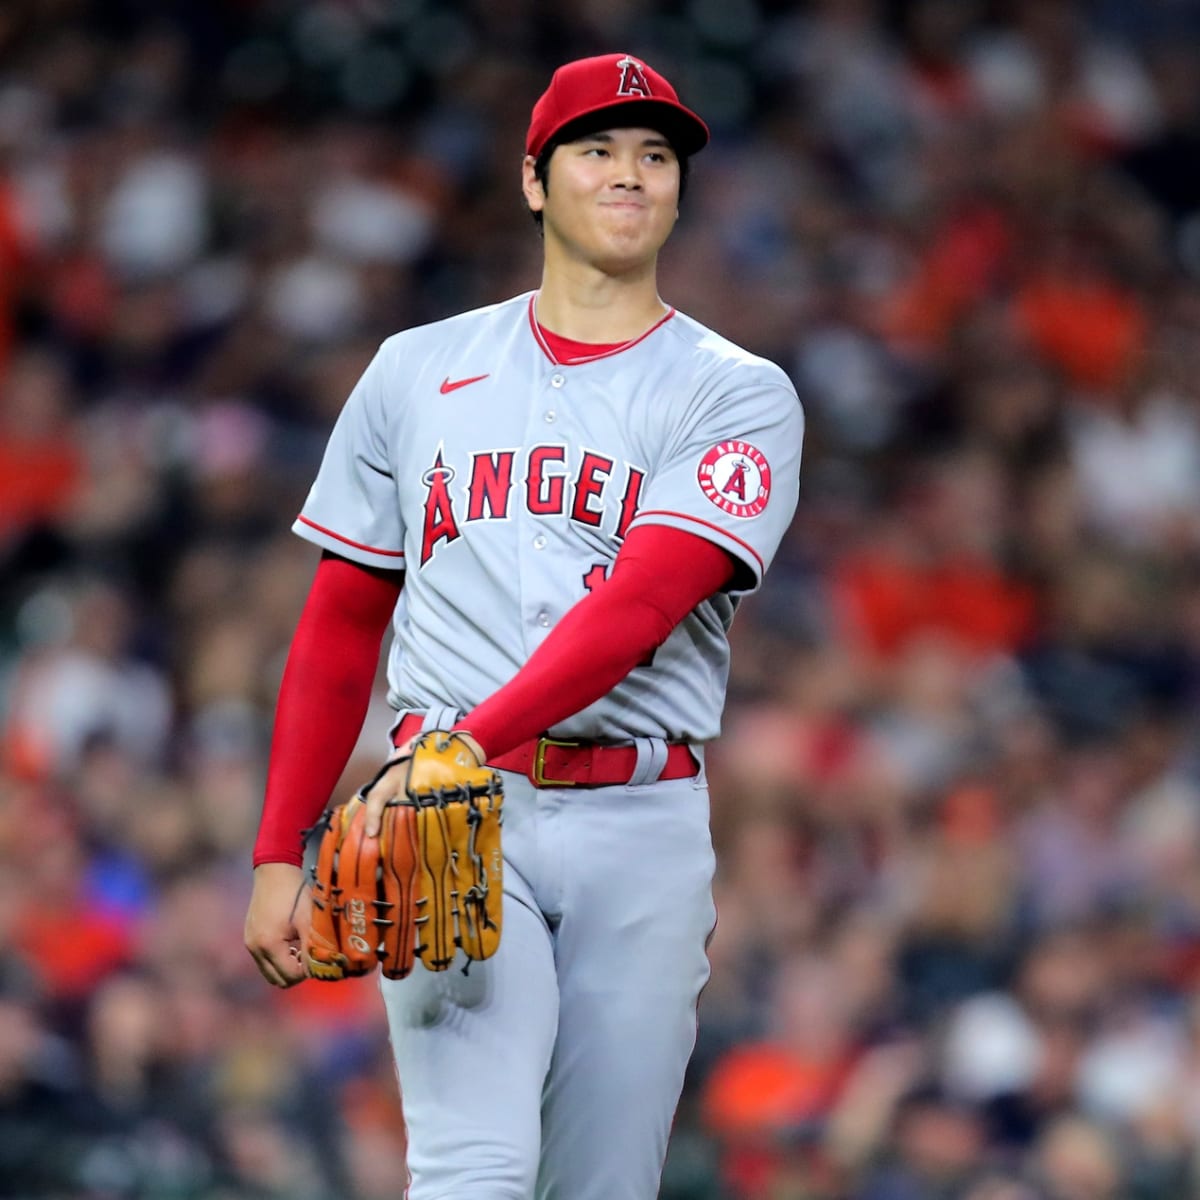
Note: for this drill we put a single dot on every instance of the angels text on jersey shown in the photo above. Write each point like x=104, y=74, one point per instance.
x=551, y=479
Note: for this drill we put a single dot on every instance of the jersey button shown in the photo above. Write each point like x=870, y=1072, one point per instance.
x=551, y=417
x=557, y=380
x=539, y=542
x=543, y=619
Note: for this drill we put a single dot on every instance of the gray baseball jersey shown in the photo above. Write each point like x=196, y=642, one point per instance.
x=504, y=482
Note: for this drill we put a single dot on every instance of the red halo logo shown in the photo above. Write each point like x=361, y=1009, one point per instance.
x=736, y=478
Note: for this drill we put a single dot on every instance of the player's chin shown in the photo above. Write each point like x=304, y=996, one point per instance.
x=625, y=251
x=635, y=226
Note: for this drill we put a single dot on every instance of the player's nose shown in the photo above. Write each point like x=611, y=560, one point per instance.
x=627, y=177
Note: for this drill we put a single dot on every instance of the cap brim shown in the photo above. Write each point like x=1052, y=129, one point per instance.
x=685, y=131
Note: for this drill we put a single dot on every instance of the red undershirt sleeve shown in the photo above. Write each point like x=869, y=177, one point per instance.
x=659, y=575
x=323, y=698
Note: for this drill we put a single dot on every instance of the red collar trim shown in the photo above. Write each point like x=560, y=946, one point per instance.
x=568, y=350
x=543, y=338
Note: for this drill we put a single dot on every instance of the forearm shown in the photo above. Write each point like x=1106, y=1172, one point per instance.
x=570, y=670
x=613, y=629
x=323, y=700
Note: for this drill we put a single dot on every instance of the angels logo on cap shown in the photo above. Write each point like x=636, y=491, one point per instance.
x=736, y=477
x=633, y=78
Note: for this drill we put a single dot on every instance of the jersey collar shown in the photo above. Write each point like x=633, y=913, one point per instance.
x=606, y=352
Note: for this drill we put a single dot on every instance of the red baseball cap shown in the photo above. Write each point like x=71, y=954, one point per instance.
x=635, y=94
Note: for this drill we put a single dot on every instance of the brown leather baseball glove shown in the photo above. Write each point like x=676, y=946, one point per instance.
x=429, y=884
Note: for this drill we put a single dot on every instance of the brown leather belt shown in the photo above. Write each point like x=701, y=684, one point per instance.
x=555, y=763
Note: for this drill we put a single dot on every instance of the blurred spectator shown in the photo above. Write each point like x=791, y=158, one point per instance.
x=932, y=565
x=82, y=682
x=1075, y=1161
x=41, y=465
x=939, y=1146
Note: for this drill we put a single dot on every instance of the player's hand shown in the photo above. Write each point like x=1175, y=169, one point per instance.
x=390, y=785
x=277, y=923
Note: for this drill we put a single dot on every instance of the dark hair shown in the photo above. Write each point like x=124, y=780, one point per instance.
x=541, y=166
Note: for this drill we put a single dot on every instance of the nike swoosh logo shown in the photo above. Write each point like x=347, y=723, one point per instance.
x=448, y=386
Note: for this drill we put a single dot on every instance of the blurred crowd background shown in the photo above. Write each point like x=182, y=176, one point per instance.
x=957, y=801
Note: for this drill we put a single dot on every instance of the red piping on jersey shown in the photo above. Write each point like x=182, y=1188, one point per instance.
x=662, y=512
x=575, y=362
x=357, y=545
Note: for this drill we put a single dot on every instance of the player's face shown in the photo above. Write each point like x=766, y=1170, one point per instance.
x=611, y=198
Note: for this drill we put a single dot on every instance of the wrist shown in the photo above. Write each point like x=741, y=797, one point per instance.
x=277, y=869
x=473, y=743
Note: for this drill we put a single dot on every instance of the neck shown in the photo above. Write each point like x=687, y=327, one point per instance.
x=588, y=305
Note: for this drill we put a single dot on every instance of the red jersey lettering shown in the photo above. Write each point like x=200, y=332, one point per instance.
x=544, y=492
x=593, y=472
x=491, y=483
x=439, y=524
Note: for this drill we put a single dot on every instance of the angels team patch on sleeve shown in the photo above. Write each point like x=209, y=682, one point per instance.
x=736, y=477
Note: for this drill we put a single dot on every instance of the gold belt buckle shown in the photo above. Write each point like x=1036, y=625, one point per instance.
x=539, y=763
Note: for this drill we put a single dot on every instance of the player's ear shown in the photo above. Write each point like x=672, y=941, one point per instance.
x=531, y=185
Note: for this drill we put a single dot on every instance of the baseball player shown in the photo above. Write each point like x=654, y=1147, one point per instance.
x=557, y=501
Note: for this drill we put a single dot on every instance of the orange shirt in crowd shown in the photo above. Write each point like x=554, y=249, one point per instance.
x=756, y=1099
x=887, y=601
x=71, y=948
x=1088, y=327
x=962, y=263
x=37, y=480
